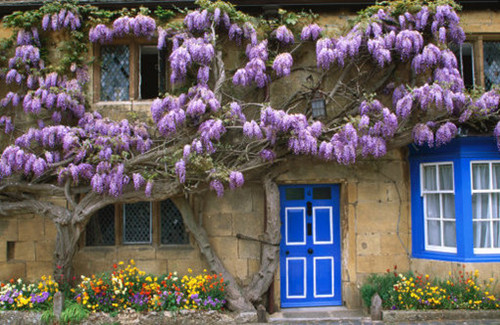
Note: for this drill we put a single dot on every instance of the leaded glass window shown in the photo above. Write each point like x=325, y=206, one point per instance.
x=172, y=226
x=137, y=223
x=100, y=230
x=491, y=64
x=115, y=73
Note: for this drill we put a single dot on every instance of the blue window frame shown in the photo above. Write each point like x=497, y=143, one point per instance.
x=455, y=193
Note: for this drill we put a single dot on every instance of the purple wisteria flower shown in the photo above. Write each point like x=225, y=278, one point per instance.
x=423, y=134
x=100, y=33
x=235, y=179
x=218, y=187
x=180, y=170
x=445, y=133
x=282, y=64
x=409, y=42
x=284, y=35
x=197, y=21
x=310, y=32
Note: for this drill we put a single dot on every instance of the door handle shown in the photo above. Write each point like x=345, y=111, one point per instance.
x=287, y=252
x=310, y=251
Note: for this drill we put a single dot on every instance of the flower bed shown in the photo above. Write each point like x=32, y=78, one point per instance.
x=125, y=287
x=461, y=290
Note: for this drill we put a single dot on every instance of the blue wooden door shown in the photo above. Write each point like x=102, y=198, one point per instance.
x=310, y=246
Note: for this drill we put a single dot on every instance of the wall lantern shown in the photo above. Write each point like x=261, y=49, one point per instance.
x=318, y=106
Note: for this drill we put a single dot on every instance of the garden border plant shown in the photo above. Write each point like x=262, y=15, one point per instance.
x=413, y=291
x=124, y=287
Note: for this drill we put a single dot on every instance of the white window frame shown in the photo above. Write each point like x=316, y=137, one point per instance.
x=489, y=250
x=423, y=193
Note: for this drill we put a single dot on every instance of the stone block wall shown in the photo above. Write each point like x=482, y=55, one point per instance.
x=26, y=246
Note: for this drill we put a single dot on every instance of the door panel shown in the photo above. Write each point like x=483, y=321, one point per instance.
x=322, y=225
x=295, y=225
x=296, y=277
x=310, y=246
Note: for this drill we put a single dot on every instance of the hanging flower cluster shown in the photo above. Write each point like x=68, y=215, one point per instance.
x=140, y=26
x=62, y=19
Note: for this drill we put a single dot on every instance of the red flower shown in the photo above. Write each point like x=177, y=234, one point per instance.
x=115, y=266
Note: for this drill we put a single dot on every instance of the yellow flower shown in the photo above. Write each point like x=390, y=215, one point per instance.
x=132, y=262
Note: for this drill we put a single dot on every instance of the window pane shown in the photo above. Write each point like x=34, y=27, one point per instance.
x=495, y=206
x=480, y=176
x=294, y=193
x=150, y=72
x=491, y=64
x=172, y=226
x=430, y=178
x=322, y=193
x=480, y=206
x=496, y=231
x=115, y=73
x=481, y=234
x=496, y=176
x=448, y=206
x=432, y=205
x=100, y=231
x=465, y=60
x=137, y=222
x=434, y=233
x=445, y=177
x=450, y=237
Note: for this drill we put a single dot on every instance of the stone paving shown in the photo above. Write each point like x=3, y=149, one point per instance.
x=367, y=321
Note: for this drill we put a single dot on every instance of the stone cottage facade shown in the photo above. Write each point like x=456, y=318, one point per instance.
x=348, y=221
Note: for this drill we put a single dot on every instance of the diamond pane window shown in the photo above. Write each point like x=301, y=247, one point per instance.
x=172, y=226
x=115, y=73
x=491, y=64
x=137, y=223
x=100, y=230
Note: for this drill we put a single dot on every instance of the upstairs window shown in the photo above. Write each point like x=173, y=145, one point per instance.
x=491, y=53
x=130, y=72
x=115, y=73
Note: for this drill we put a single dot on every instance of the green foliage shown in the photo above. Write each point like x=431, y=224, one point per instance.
x=73, y=313
x=48, y=316
x=164, y=15
x=382, y=284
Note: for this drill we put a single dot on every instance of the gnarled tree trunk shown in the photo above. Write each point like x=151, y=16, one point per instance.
x=270, y=252
x=234, y=294
x=67, y=239
x=242, y=299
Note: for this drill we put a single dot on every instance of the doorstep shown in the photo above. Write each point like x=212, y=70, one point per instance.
x=309, y=314
x=425, y=315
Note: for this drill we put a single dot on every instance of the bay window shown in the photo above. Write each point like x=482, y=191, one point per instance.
x=456, y=200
